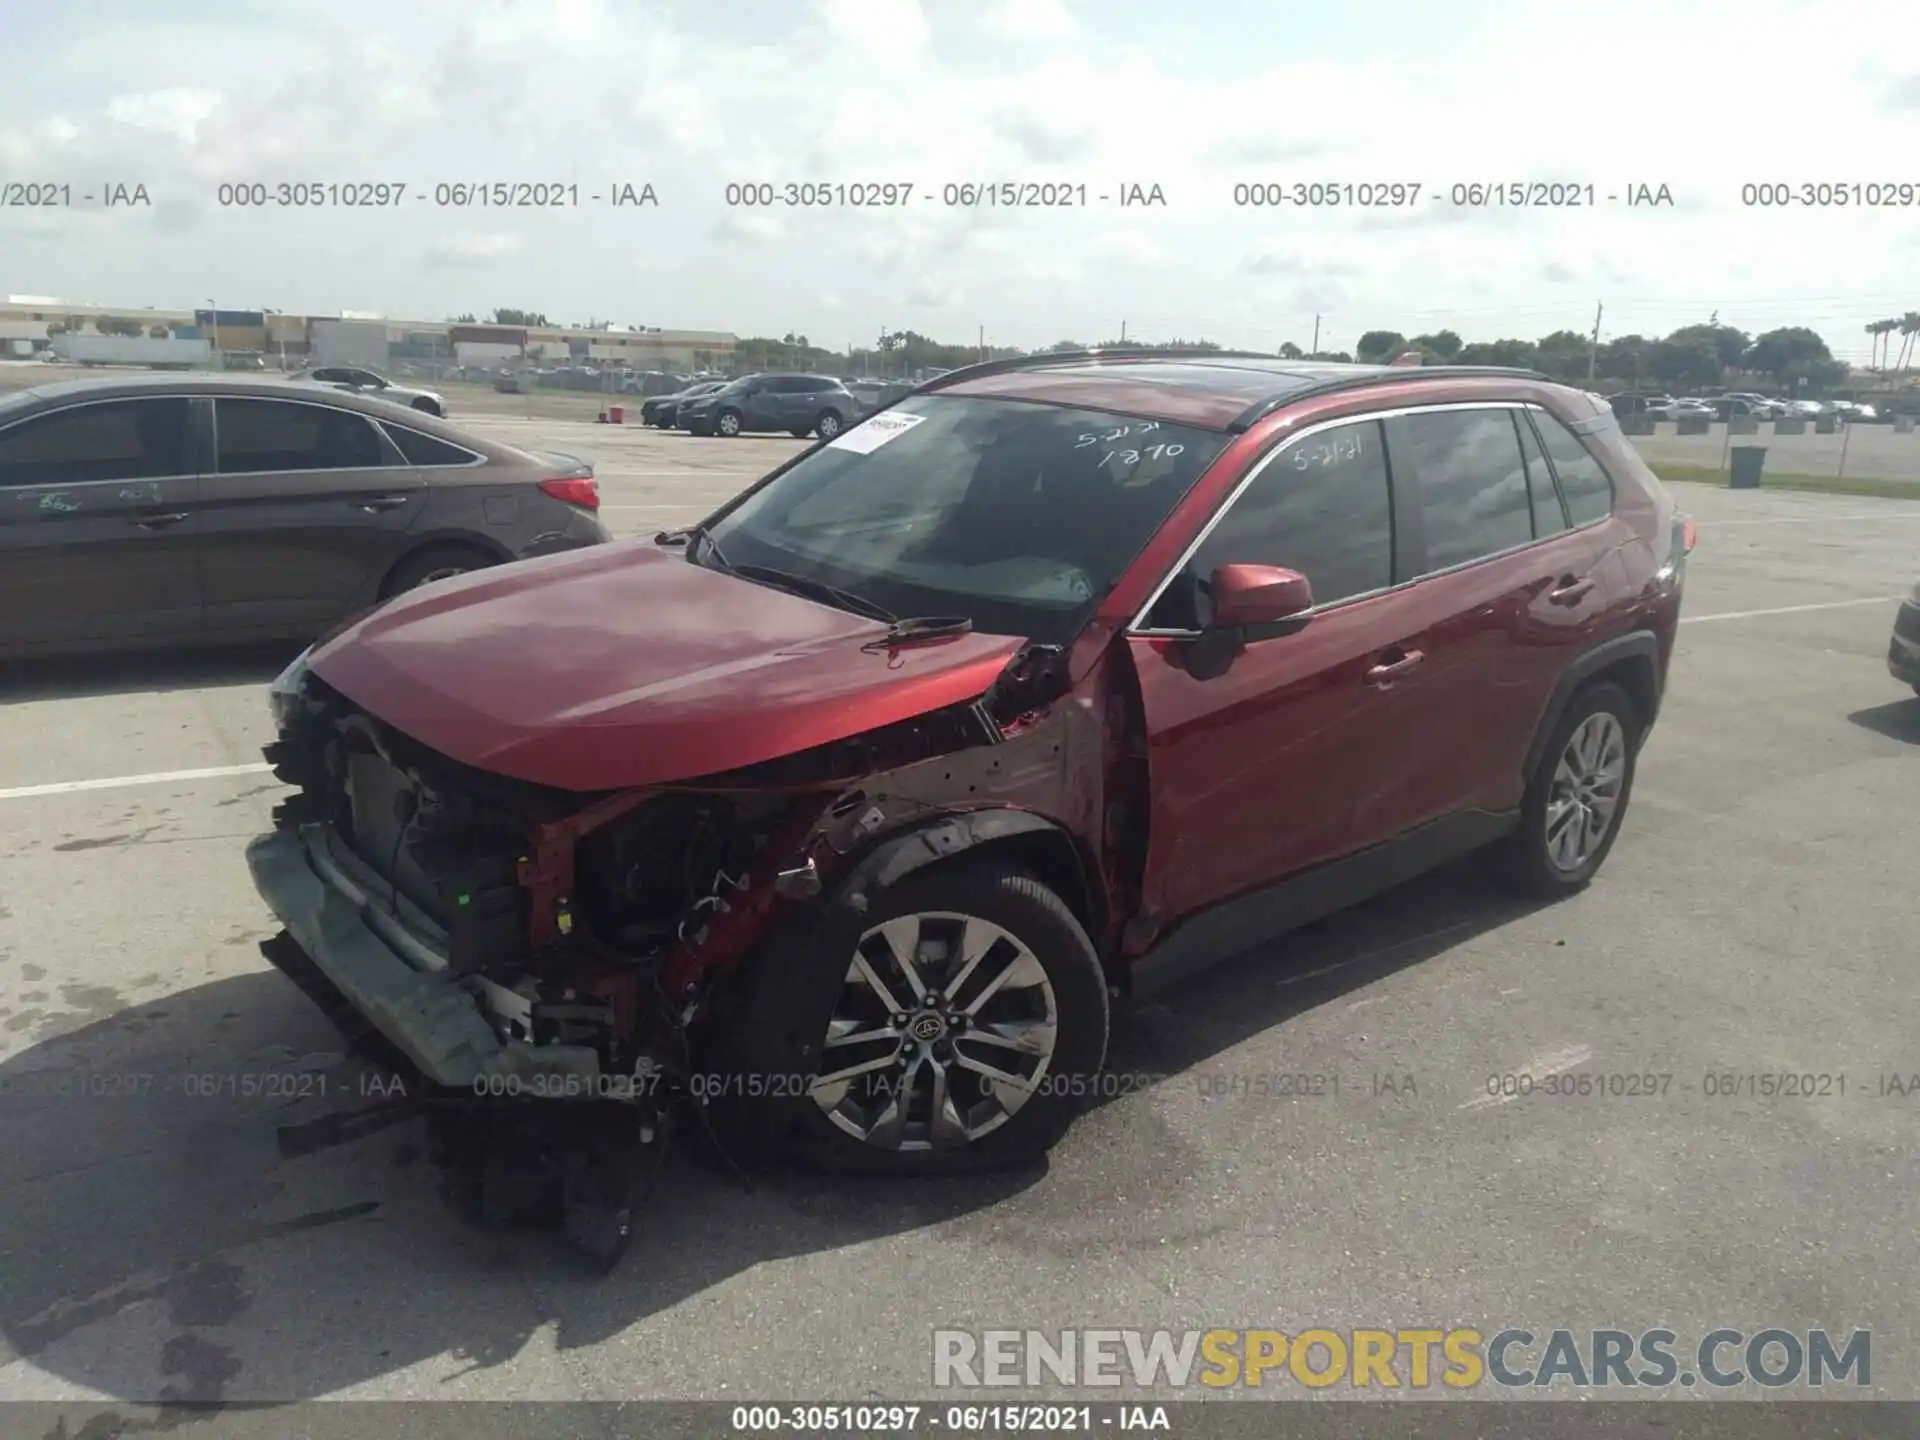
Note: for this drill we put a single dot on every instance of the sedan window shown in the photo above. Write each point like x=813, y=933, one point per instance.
x=113, y=440
x=279, y=435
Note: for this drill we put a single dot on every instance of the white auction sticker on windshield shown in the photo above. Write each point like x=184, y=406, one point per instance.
x=869, y=435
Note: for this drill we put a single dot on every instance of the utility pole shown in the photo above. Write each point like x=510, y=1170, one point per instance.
x=1123, y=332
x=983, y=342
x=1593, y=351
x=1314, y=349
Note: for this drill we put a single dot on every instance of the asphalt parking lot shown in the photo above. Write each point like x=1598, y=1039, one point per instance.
x=179, y=1236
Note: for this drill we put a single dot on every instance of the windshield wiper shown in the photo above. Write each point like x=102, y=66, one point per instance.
x=816, y=589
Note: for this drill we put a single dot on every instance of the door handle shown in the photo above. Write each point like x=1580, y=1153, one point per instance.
x=1388, y=671
x=1570, y=590
x=383, y=502
x=160, y=522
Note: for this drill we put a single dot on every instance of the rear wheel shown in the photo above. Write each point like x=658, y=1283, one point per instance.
x=960, y=1025
x=1577, y=795
x=426, y=406
x=436, y=562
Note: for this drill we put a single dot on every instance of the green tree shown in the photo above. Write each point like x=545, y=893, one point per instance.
x=1291, y=351
x=1727, y=343
x=1378, y=345
x=158, y=332
x=1791, y=354
x=117, y=325
x=1684, y=363
x=509, y=316
x=1516, y=353
x=1441, y=345
x=1909, y=327
x=1565, y=354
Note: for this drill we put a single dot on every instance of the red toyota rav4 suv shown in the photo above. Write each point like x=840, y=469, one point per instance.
x=841, y=817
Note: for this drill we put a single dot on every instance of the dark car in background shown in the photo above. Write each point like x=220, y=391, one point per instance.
x=359, y=380
x=162, y=509
x=1903, y=651
x=661, y=410
x=800, y=405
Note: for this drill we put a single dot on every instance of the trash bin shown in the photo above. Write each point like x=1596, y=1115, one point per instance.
x=1747, y=460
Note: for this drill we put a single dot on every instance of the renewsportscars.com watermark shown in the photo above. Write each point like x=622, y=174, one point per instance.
x=1456, y=1359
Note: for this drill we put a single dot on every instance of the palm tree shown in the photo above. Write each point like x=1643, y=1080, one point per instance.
x=1909, y=327
x=1879, y=330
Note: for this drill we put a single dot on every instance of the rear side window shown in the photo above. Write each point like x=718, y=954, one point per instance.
x=277, y=435
x=426, y=450
x=1548, y=517
x=115, y=440
x=1320, y=507
x=1583, y=480
x=1471, y=482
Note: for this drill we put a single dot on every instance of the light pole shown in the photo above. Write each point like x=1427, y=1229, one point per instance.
x=213, y=324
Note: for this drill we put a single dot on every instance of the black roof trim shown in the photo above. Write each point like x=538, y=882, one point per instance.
x=1251, y=416
x=1361, y=379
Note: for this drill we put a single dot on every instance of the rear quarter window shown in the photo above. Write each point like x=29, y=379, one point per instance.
x=1584, y=481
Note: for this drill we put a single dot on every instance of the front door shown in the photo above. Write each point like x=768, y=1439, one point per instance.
x=97, y=527
x=1300, y=749
x=307, y=508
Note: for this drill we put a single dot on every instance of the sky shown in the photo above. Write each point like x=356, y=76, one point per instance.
x=1196, y=98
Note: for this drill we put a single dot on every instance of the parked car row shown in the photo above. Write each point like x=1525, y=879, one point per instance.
x=799, y=405
x=1736, y=405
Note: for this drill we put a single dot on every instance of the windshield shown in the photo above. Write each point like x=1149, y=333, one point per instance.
x=1016, y=515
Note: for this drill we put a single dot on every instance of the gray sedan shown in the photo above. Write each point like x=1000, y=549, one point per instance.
x=359, y=380
x=162, y=509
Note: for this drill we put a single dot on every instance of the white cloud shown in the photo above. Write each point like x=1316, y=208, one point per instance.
x=586, y=93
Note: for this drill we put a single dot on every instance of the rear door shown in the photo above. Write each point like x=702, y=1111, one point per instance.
x=97, y=525
x=1509, y=588
x=305, y=510
x=1301, y=748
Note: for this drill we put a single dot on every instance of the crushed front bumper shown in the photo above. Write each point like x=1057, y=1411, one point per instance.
x=388, y=961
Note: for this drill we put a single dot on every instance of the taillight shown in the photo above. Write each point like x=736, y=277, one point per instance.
x=581, y=490
x=1689, y=534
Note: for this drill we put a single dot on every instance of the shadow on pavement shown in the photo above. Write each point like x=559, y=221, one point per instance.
x=76, y=677
x=1897, y=720
x=204, y=1199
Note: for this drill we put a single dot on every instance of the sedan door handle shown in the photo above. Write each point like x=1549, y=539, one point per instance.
x=383, y=502
x=1570, y=590
x=160, y=522
x=1389, y=671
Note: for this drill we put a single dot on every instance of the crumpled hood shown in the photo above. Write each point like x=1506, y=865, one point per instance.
x=623, y=665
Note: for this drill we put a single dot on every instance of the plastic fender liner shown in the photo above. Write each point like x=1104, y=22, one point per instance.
x=1636, y=648
x=902, y=852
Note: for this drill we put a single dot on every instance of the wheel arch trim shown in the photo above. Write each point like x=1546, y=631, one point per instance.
x=1632, y=651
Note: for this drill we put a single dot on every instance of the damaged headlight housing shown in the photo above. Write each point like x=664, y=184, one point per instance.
x=286, y=688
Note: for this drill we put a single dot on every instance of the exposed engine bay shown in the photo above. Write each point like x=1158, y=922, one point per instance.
x=593, y=931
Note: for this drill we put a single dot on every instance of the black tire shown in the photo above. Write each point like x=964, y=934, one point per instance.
x=426, y=406
x=829, y=425
x=728, y=424
x=777, y=1029
x=1523, y=856
x=436, y=562
x=800, y=434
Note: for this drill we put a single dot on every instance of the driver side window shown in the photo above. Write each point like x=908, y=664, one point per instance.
x=1321, y=506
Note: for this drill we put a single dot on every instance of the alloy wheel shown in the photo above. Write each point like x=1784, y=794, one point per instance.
x=1585, y=796
x=945, y=1027
x=829, y=426
x=729, y=425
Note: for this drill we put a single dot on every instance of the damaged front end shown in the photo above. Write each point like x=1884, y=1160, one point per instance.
x=514, y=945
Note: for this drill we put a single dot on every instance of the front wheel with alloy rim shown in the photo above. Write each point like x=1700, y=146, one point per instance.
x=1578, y=793
x=959, y=1025
x=827, y=426
x=727, y=423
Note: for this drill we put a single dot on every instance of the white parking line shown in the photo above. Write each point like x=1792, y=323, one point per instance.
x=115, y=782
x=1791, y=609
x=1913, y=514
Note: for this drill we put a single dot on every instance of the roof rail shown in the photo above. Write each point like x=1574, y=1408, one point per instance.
x=1081, y=357
x=1259, y=411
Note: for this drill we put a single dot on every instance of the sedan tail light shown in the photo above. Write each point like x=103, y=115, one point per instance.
x=581, y=490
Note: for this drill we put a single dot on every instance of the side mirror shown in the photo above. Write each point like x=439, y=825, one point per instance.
x=1245, y=595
